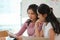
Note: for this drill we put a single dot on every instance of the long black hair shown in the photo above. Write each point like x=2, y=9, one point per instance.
x=33, y=7
x=45, y=9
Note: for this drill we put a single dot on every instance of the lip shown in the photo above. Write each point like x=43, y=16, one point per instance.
x=30, y=17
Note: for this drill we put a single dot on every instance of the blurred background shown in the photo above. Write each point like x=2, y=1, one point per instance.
x=13, y=13
x=55, y=4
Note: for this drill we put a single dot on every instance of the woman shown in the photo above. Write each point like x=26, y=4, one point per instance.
x=29, y=24
x=50, y=26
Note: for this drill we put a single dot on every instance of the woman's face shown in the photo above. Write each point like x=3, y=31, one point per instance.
x=31, y=14
x=42, y=17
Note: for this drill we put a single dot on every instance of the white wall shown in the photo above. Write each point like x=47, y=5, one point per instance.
x=10, y=14
x=54, y=4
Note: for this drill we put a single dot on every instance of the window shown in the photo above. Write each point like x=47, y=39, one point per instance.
x=10, y=15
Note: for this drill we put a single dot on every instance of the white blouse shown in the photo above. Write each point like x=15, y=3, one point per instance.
x=46, y=29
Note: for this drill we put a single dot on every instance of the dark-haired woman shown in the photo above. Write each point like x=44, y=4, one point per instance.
x=30, y=23
x=51, y=26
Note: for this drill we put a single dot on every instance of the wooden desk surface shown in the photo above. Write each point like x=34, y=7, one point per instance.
x=34, y=38
x=3, y=34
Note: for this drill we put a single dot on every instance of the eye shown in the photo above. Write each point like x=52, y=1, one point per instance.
x=32, y=13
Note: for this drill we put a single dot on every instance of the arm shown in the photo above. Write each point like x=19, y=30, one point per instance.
x=19, y=33
x=41, y=33
x=51, y=34
x=24, y=27
x=37, y=33
x=38, y=24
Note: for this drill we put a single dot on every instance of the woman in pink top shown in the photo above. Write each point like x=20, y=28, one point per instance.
x=29, y=24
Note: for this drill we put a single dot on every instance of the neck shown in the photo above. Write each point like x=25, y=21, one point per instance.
x=34, y=20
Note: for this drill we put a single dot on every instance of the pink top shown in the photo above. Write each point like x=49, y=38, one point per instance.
x=30, y=29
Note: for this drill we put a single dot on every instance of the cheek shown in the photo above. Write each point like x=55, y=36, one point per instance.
x=29, y=15
x=34, y=16
x=40, y=16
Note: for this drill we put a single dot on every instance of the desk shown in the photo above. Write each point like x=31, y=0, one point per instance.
x=3, y=35
x=34, y=38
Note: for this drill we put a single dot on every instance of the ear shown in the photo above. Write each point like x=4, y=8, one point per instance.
x=45, y=15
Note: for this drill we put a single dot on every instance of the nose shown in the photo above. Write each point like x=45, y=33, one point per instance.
x=30, y=15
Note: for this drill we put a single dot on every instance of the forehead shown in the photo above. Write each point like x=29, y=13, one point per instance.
x=31, y=11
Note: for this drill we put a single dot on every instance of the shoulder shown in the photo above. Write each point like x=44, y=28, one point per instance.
x=28, y=20
x=49, y=25
x=26, y=23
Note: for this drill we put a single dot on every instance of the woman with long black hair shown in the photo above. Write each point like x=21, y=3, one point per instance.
x=29, y=25
x=51, y=25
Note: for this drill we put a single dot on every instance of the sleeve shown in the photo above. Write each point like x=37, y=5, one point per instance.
x=24, y=27
x=49, y=26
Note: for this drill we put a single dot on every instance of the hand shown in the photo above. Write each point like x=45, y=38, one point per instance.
x=19, y=38
x=38, y=22
x=38, y=27
x=2, y=38
x=11, y=35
